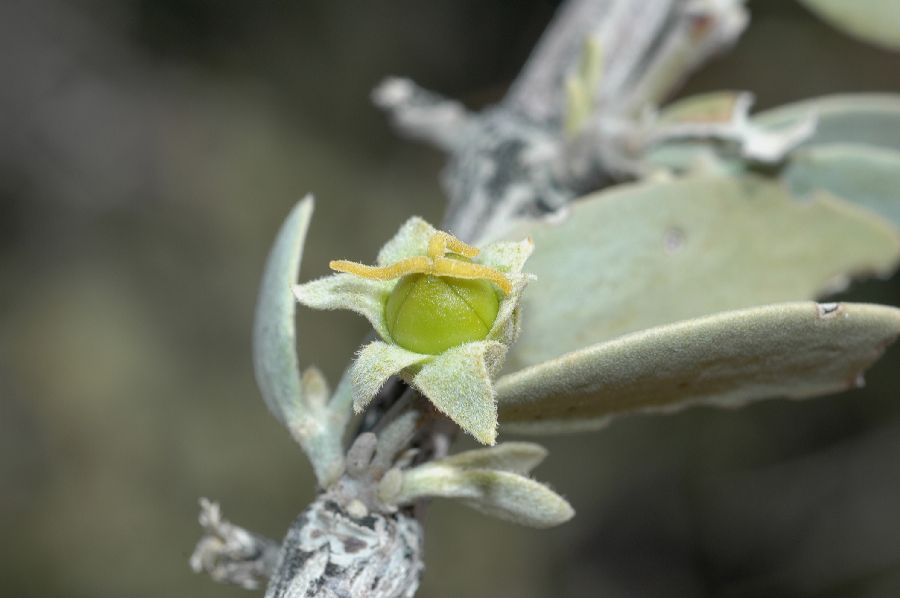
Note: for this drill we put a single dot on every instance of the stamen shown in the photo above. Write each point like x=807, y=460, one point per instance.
x=434, y=263
x=456, y=269
x=442, y=242
x=414, y=265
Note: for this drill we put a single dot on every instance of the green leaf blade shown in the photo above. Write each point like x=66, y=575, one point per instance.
x=275, y=359
x=300, y=403
x=500, y=494
x=863, y=118
x=517, y=457
x=866, y=175
x=793, y=350
x=649, y=254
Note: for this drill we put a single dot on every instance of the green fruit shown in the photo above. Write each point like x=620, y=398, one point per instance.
x=430, y=314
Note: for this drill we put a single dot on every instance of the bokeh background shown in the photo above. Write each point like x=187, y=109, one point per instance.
x=149, y=150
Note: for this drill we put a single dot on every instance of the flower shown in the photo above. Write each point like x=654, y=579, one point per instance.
x=415, y=298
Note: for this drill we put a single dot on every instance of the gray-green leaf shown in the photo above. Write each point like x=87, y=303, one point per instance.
x=864, y=119
x=501, y=494
x=873, y=21
x=517, y=457
x=317, y=428
x=866, y=175
x=648, y=254
x=274, y=342
x=872, y=119
x=793, y=350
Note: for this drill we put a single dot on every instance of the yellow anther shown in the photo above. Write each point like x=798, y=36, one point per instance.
x=396, y=270
x=435, y=263
x=442, y=242
x=444, y=266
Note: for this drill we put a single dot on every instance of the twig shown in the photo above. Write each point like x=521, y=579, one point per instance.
x=513, y=160
x=230, y=554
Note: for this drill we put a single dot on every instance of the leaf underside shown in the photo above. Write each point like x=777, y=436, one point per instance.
x=502, y=494
x=517, y=457
x=793, y=350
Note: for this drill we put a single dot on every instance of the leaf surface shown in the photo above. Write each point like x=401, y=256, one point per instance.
x=517, y=457
x=862, y=118
x=648, y=254
x=866, y=175
x=299, y=403
x=274, y=338
x=501, y=494
x=792, y=350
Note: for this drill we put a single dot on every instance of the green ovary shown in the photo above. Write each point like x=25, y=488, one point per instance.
x=430, y=314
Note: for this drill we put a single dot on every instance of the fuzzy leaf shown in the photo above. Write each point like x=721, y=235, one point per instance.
x=648, y=254
x=873, y=21
x=865, y=119
x=375, y=363
x=517, y=457
x=502, y=494
x=348, y=291
x=300, y=405
x=712, y=107
x=274, y=343
x=691, y=157
x=872, y=119
x=792, y=350
x=458, y=383
x=713, y=132
x=866, y=175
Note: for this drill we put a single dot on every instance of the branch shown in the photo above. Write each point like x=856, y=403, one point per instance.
x=330, y=553
x=230, y=554
x=513, y=160
x=422, y=115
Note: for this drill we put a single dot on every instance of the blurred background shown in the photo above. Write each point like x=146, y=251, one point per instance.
x=148, y=152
